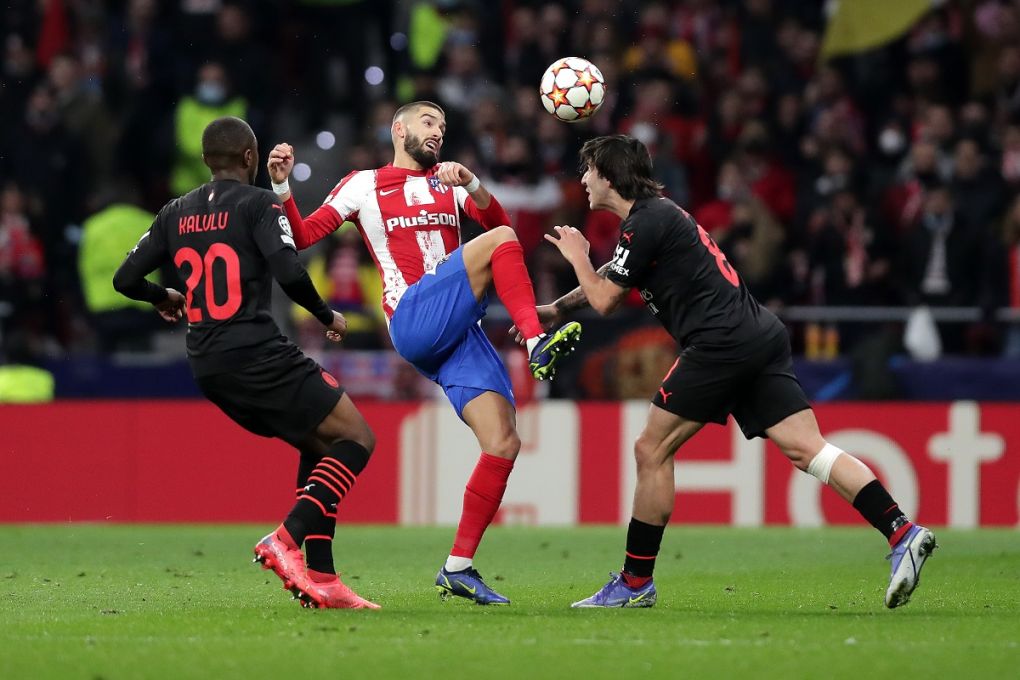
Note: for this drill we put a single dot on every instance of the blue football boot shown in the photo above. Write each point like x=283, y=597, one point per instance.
x=907, y=558
x=468, y=584
x=551, y=348
x=617, y=593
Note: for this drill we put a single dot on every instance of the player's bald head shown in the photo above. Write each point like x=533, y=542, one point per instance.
x=225, y=141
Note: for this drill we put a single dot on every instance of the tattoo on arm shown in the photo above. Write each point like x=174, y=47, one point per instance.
x=576, y=299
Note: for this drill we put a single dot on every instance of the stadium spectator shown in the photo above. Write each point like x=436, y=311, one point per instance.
x=978, y=190
x=22, y=265
x=347, y=278
x=84, y=116
x=1005, y=283
x=109, y=233
x=213, y=98
x=530, y=197
x=706, y=84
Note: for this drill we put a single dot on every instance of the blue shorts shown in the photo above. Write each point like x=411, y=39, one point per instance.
x=435, y=328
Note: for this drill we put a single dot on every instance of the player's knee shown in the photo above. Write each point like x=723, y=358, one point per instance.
x=799, y=456
x=366, y=438
x=646, y=452
x=819, y=463
x=507, y=445
x=502, y=234
x=361, y=434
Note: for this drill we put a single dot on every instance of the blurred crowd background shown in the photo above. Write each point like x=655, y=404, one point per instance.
x=836, y=168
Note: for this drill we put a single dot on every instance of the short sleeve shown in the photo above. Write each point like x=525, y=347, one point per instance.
x=635, y=253
x=271, y=229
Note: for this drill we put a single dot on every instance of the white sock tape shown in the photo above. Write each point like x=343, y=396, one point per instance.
x=821, y=465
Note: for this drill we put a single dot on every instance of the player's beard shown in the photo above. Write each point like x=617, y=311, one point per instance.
x=415, y=148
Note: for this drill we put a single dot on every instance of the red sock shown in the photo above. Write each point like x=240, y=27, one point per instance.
x=513, y=286
x=482, y=497
x=635, y=582
x=288, y=540
x=900, y=533
x=321, y=576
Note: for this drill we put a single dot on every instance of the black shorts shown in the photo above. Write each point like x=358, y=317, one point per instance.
x=285, y=396
x=759, y=389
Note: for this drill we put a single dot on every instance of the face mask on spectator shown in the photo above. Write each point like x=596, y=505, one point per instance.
x=892, y=142
x=935, y=222
x=211, y=93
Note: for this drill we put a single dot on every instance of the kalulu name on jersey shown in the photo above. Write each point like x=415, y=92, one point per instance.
x=193, y=224
x=423, y=219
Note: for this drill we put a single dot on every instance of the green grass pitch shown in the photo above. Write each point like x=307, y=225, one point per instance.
x=111, y=602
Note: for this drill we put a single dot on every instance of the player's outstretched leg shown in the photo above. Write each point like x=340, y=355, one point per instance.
x=798, y=437
x=497, y=256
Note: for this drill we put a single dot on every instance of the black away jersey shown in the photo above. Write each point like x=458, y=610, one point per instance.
x=686, y=281
x=218, y=236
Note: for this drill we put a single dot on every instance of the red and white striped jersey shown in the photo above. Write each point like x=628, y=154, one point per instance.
x=408, y=219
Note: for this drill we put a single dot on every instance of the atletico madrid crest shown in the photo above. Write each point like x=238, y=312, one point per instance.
x=437, y=185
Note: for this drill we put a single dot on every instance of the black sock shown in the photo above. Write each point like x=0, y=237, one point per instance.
x=643, y=542
x=329, y=481
x=877, y=506
x=319, y=541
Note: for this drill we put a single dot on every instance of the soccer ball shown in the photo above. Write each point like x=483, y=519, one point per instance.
x=572, y=89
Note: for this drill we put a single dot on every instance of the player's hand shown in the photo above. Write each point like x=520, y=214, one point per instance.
x=280, y=163
x=453, y=174
x=173, y=308
x=548, y=316
x=571, y=243
x=336, y=331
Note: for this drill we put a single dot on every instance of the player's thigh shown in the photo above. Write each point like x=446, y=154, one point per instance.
x=286, y=396
x=343, y=422
x=772, y=394
x=494, y=422
x=478, y=257
x=797, y=435
x=664, y=432
x=698, y=390
x=434, y=314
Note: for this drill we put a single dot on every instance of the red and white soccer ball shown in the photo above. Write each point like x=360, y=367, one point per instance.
x=572, y=89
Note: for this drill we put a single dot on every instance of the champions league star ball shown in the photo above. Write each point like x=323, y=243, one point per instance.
x=572, y=89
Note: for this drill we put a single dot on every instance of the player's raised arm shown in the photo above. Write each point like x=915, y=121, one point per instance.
x=603, y=295
x=309, y=230
x=477, y=202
